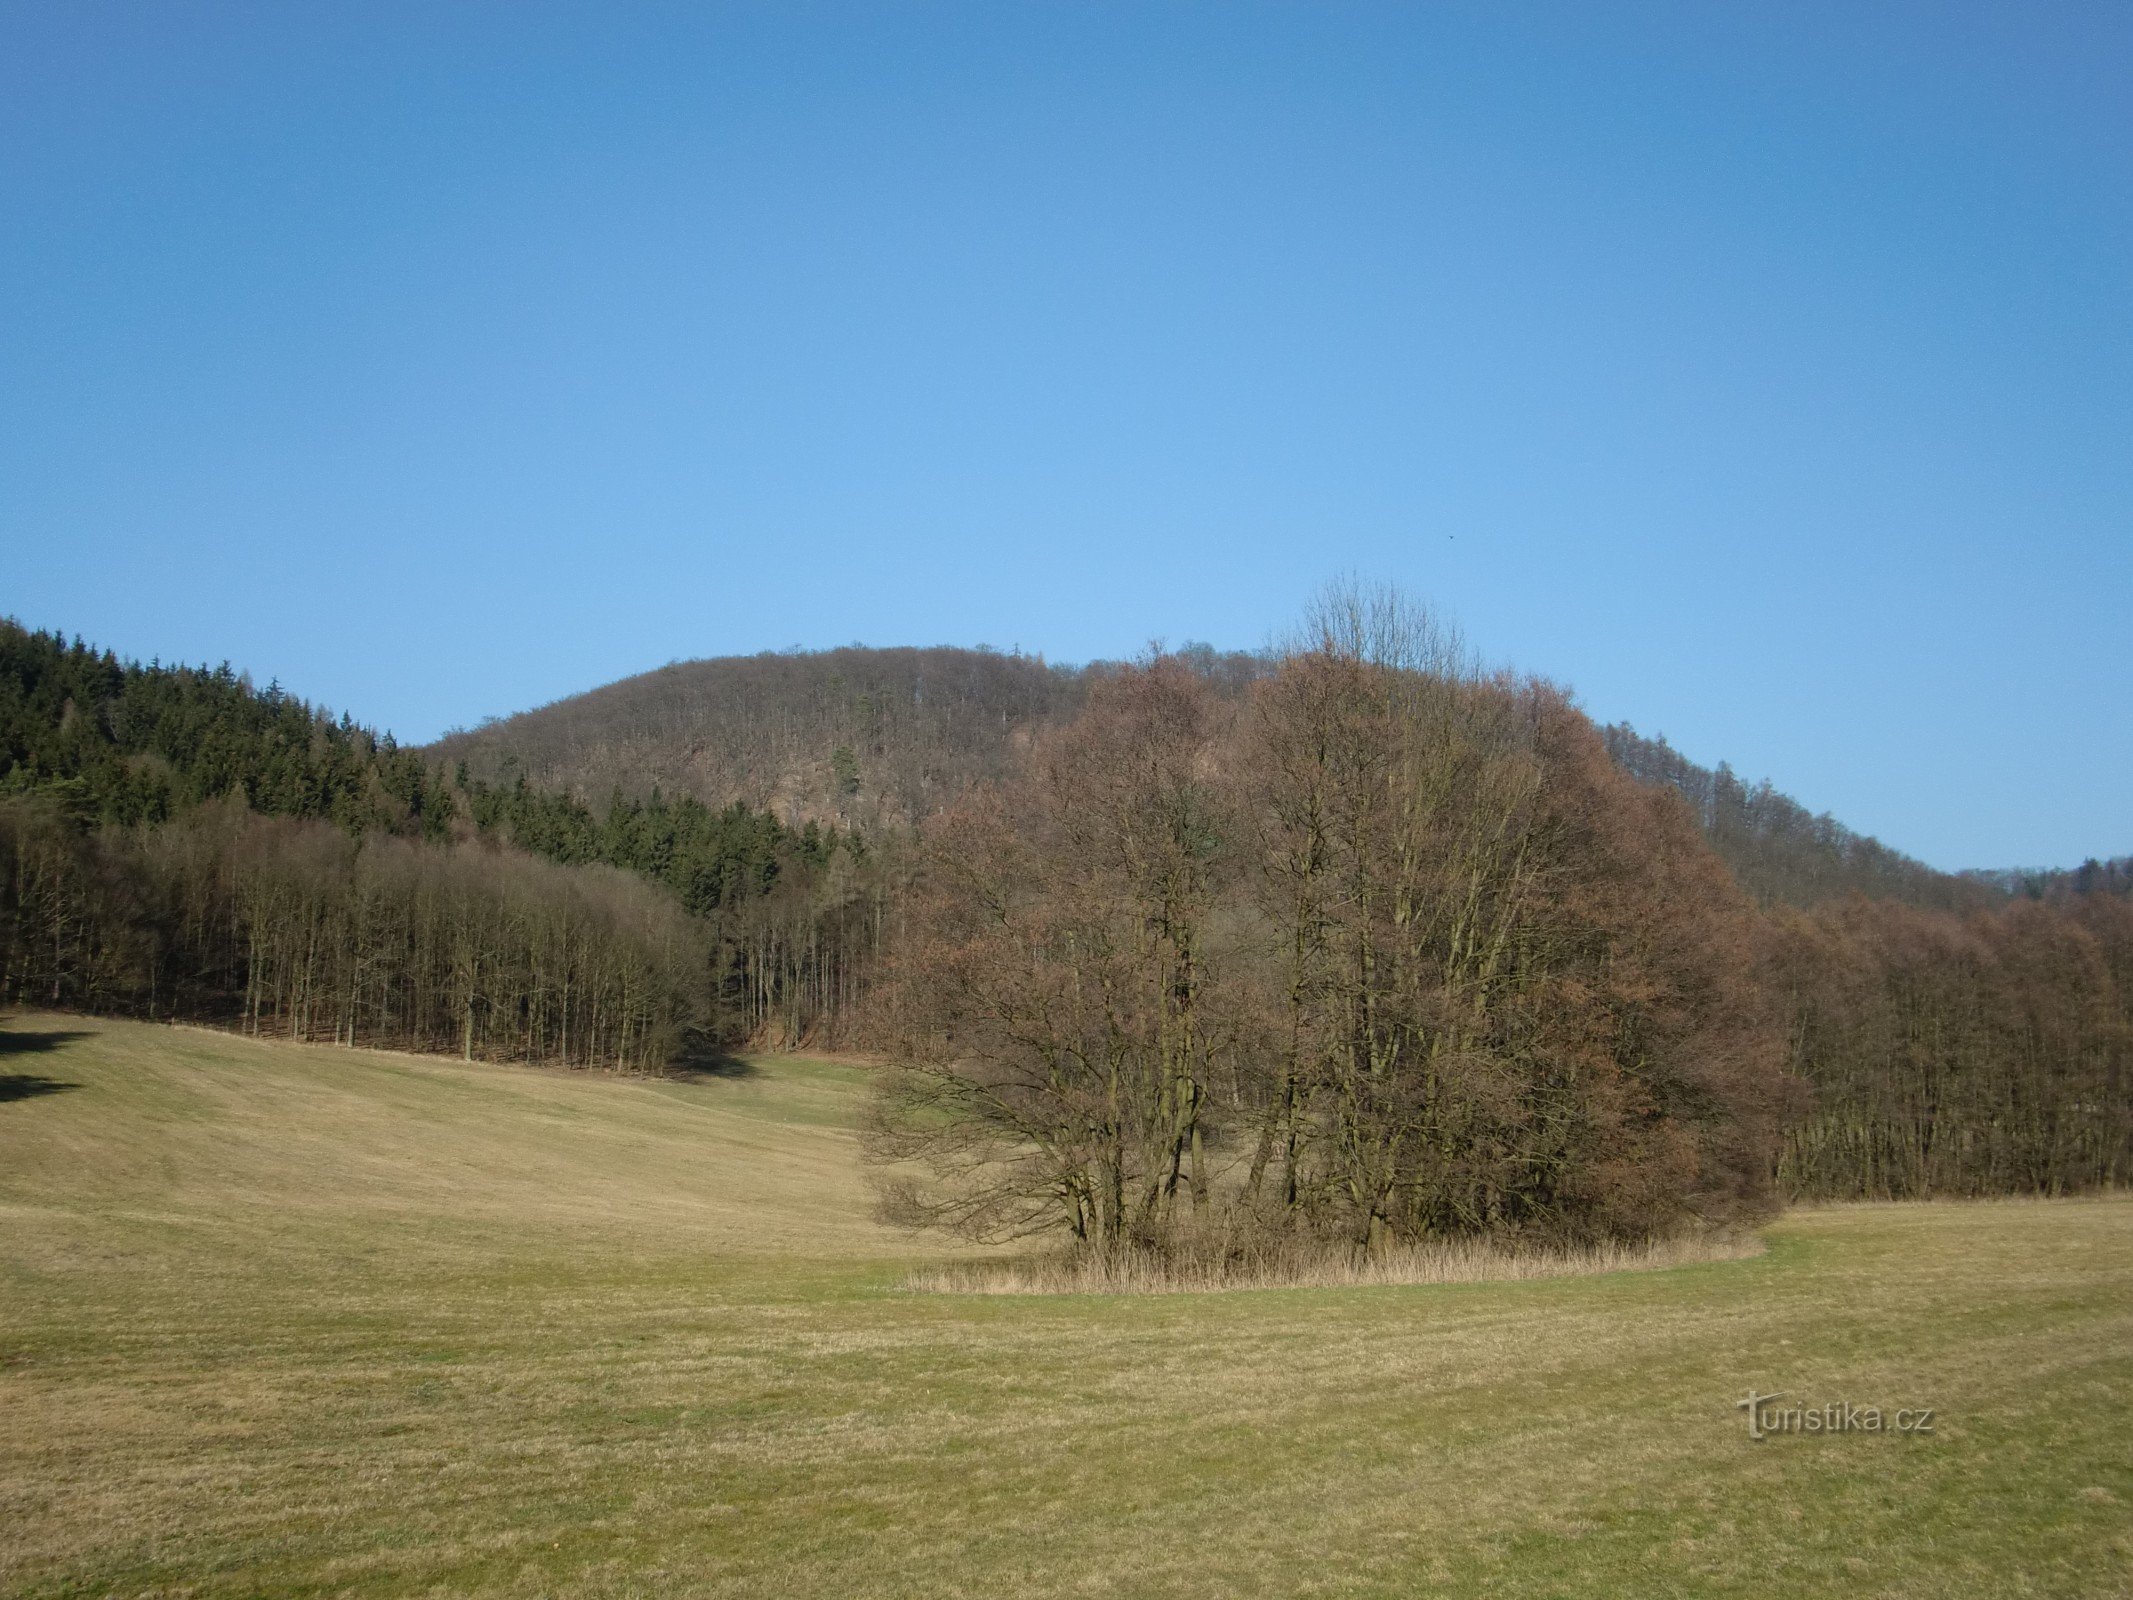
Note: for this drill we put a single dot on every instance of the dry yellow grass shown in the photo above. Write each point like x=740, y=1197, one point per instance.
x=260, y=1142
x=309, y=1322
x=1450, y=1261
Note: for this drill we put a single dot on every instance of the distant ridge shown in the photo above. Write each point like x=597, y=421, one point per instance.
x=855, y=736
x=1779, y=850
x=849, y=735
x=873, y=737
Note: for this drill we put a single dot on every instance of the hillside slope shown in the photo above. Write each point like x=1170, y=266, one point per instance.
x=872, y=737
x=184, y=1140
x=851, y=735
x=1778, y=849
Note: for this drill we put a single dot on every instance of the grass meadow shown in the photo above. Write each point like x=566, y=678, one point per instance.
x=305, y=1321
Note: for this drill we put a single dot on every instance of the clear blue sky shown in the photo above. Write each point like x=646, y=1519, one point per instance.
x=1765, y=373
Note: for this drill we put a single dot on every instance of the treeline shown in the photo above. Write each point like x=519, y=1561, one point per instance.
x=1962, y=1034
x=1973, y=1054
x=111, y=741
x=1380, y=951
x=794, y=918
x=1781, y=852
x=2112, y=877
x=294, y=927
x=787, y=918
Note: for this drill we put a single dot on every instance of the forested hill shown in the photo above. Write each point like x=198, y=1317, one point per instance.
x=852, y=736
x=113, y=741
x=862, y=737
x=854, y=739
x=859, y=735
x=1785, y=854
x=175, y=842
x=1781, y=852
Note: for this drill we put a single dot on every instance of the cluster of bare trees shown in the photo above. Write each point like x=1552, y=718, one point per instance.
x=1987, y=1053
x=795, y=964
x=293, y=927
x=1378, y=950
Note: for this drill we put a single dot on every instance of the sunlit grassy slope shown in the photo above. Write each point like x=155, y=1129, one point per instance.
x=304, y=1321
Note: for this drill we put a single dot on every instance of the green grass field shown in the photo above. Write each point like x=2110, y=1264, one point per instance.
x=283, y=1321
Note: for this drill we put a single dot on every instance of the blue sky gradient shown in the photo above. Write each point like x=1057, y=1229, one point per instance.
x=1765, y=373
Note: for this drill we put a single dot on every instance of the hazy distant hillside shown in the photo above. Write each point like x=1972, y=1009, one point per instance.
x=1781, y=851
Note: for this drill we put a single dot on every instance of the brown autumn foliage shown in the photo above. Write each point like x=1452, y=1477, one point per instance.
x=851, y=735
x=1063, y=997
x=1970, y=1055
x=1389, y=951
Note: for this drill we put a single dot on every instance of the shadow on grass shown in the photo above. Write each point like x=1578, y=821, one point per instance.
x=701, y=1059
x=30, y=1043
x=26, y=1042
